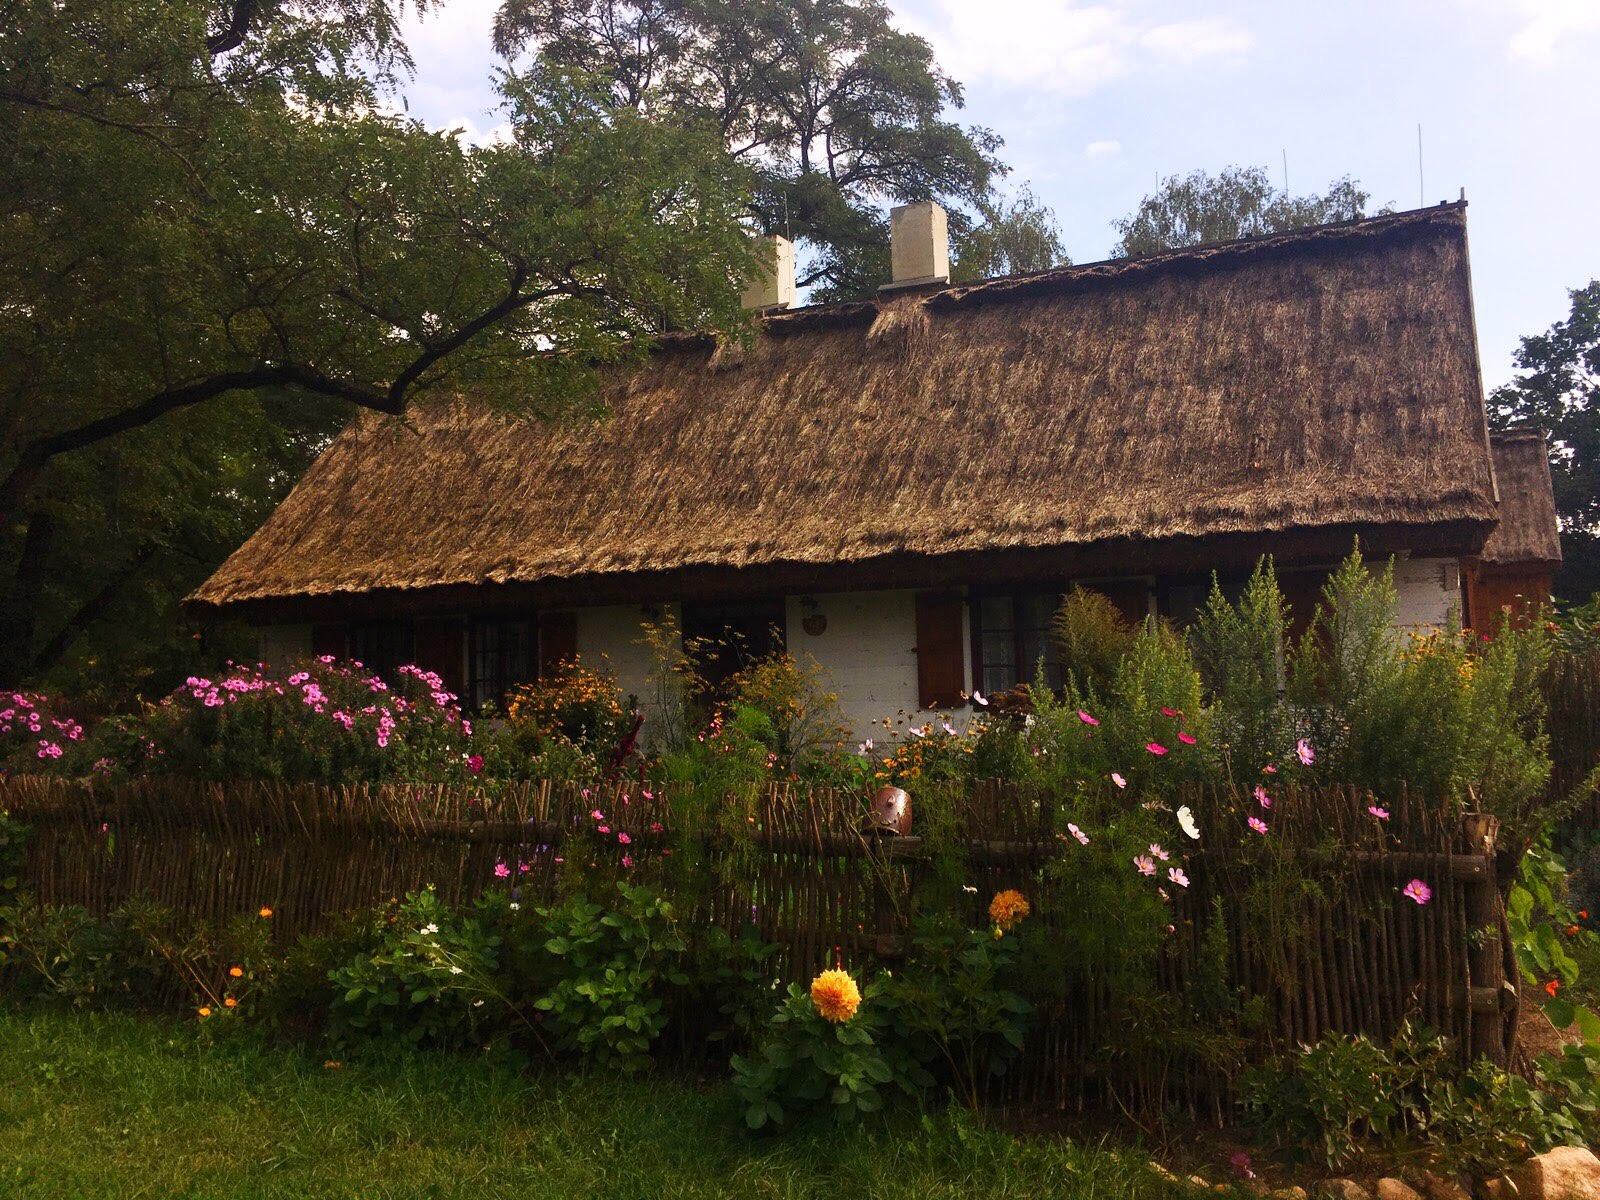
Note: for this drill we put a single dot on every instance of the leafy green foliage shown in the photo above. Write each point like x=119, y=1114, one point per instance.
x=212, y=255
x=957, y=994
x=832, y=108
x=1013, y=238
x=1237, y=202
x=1346, y=1096
x=611, y=970
x=322, y=722
x=850, y=1068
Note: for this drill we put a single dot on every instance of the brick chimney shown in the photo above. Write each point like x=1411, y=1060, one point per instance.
x=772, y=284
x=919, y=244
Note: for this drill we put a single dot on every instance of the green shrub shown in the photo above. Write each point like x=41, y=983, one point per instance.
x=1347, y=1096
x=611, y=969
x=850, y=1067
x=324, y=722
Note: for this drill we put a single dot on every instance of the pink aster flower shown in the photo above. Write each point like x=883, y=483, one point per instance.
x=1083, y=838
x=1118, y=780
x=1177, y=876
x=1144, y=863
x=1381, y=813
x=1261, y=797
x=1086, y=718
x=475, y=763
x=1303, y=749
x=1258, y=824
x=1418, y=891
x=1156, y=748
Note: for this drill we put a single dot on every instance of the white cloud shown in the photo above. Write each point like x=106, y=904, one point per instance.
x=468, y=131
x=1547, y=23
x=1102, y=149
x=1067, y=47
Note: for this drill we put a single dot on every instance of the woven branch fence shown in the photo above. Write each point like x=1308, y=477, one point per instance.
x=1571, y=686
x=1356, y=957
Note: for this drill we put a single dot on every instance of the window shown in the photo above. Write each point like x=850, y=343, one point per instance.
x=383, y=646
x=501, y=657
x=724, y=639
x=1010, y=636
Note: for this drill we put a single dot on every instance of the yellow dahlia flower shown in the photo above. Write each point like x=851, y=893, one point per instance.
x=835, y=995
x=1007, y=908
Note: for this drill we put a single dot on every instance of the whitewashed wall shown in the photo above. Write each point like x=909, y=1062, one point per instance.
x=1429, y=590
x=611, y=636
x=869, y=650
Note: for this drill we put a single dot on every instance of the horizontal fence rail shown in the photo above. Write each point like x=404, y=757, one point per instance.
x=808, y=872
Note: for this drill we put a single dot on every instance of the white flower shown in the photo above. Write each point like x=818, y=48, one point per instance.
x=430, y=929
x=514, y=906
x=1186, y=823
x=965, y=888
x=477, y=1004
x=457, y=971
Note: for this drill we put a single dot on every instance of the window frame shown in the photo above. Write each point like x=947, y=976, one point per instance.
x=505, y=676
x=1018, y=598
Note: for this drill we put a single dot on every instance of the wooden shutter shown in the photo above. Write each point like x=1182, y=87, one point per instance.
x=330, y=640
x=439, y=648
x=558, y=642
x=941, y=673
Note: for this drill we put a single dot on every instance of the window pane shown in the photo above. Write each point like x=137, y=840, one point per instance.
x=998, y=679
x=998, y=649
x=1039, y=609
x=997, y=612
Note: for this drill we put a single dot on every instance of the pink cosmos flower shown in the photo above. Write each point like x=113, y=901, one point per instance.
x=602, y=829
x=655, y=826
x=1086, y=718
x=1306, y=754
x=1270, y=769
x=1381, y=813
x=977, y=698
x=1177, y=876
x=627, y=860
x=1155, y=849
x=1145, y=865
x=1169, y=712
x=1188, y=739
x=1083, y=838
x=1240, y=1162
x=501, y=870
x=1261, y=796
x=1418, y=891
x=1258, y=824
x=1156, y=748
x=624, y=839
x=598, y=815
x=475, y=763
x=948, y=728
x=1118, y=780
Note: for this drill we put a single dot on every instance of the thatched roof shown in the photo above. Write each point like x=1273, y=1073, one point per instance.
x=1325, y=379
x=1528, y=534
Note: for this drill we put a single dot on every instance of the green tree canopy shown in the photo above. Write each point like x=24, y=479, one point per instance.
x=1237, y=202
x=1557, y=387
x=1013, y=239
x=211, y=231
x=834, y=110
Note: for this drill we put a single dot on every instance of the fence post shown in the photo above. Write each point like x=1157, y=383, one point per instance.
x=1487, y=992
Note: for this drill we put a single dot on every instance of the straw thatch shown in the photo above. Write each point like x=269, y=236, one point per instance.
x=1528, y=534
x=1323, y=380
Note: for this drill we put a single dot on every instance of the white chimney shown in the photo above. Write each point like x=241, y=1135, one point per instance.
x=919, y=244
x=772, y=284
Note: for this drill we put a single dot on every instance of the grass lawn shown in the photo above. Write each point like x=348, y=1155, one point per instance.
x=101, y=1106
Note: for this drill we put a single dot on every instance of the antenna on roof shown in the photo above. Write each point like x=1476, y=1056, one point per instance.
x=1422, y=193
x=1286, y=170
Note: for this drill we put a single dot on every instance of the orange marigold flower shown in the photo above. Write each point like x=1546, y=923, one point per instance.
x=205, y=1010
x=236, y=972
x=230, y=1002
x=835, y=995
x=1007, y=908
x=266, y=912
x=1552, y=986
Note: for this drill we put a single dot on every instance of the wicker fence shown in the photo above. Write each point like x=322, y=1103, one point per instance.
x=1571, y=686
x=1359, y=958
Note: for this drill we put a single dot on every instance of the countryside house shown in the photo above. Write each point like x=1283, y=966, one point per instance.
x=903, y=487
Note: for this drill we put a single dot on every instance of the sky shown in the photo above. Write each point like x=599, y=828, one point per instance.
x=1097, y=101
